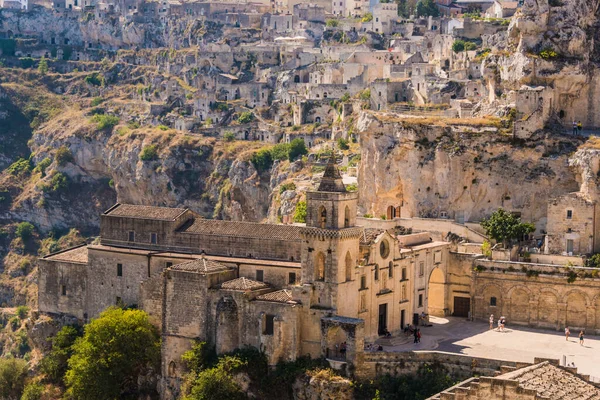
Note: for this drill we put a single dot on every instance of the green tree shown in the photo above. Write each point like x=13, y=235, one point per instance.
x=300, y=213
x=504, y=226
x=458, y=46
x=13, y=372
x=33, y=391
x=200, y=357
x=149, y=153
x=297, y=149
x=117, y=348
x=426, y=8
x=54, y=365
x=43, y=66
x=63, y=156
x=24, y=230
x=246, y=117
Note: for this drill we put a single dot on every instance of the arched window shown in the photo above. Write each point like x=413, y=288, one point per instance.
x=322, y=217
x=347, y=217
x=348, y=267
x=320, y=267
x=172, y=368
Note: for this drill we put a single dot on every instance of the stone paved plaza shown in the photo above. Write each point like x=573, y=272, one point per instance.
x=456, y=335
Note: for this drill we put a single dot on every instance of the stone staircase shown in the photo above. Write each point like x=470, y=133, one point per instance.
x=394, y=340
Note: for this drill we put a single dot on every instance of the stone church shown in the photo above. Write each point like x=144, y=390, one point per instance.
x=290, y=290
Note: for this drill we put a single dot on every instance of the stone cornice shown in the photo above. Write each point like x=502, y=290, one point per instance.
x=346, y=233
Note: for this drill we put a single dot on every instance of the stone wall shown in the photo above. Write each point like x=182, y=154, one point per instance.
x=53, y=276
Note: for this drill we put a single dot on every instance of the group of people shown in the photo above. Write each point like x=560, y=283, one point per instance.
x=501, y=323
x=568, y=333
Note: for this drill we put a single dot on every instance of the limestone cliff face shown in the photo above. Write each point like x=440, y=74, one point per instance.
x=428, y=169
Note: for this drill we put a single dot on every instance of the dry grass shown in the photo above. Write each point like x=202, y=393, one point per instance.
x=592, y=143
x=489, y=121
x=327, y=375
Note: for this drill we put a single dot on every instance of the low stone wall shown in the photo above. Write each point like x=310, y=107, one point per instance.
x=460, y=366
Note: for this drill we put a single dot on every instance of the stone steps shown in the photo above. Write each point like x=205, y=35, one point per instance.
x=394, y=340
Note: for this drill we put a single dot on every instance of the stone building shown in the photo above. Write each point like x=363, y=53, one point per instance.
x=290, y=290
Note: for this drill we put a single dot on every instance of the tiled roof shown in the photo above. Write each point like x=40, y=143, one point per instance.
x=369, y=235
x=242, y=229
x=145, y=212
x=279, y=296
x=201, y=265
x=77, y=255
x=552, y=382
x=243, y=284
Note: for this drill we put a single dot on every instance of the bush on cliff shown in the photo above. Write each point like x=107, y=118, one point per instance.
x=116, y=350
x=13, y=373
x=54, y=365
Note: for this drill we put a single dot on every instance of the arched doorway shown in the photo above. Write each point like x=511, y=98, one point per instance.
x=391, y=212
x=548, y=310
x=337, y=340
x=436, y=300
x=227, y=335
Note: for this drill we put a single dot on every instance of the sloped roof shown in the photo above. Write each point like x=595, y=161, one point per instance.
x=243, y=284
x=552, y=382
x=242, y=229
x=332, y=180
x=145, y=212
x=369, y=235
x=278, y=296
x=75, y=255
x=201, y=265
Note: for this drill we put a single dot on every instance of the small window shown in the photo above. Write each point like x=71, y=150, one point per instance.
x=292, y=278
x=376, y=272
x=260, y=276
x=131, y=236
x=63, y=290
x=119, y=269
x=269, y=324
x=493, y=301
x=153, y=238
x=363, y=282
x=437, y=257
x=168, y=264
x=421, y=268
x=569, y=214
x=391, y=270
x=119, y=301
x=420, y=300
x=403, y=274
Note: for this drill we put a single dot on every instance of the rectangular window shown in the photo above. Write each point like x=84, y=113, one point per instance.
x=168, y=264
x=391, y=270
x=269, y=324
x=153, y=238
x=569, y=214
x=131, y=236
x=260, y=275
x=363, y=301
x=420, y=300
x=119, y=269
x=421, y=268
x=493, y=301
x=437, y=257
x=119, y=301
x=63, y=290
x=292, y=278
x=363, y=282
x=403, y=274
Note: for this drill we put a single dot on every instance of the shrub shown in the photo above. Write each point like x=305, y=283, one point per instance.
x=343, y=144
x=43, y=66
x=96, y=101
x=458, y=46
x=163, y=127
x=58, y=182
x=365, y=94
x=353, y=187
x=367, y=17
x=280, y=151
x=63, y=156
x=42, y=166
x=345, y=97
x=548, y=53
x=94, y=79
x=149, y=153
x=104, y=121
x=332, y=23
x=33, y=391
x=24, y=230
x=200, y=357
x=262, y=159
x=287, y=186
x=13, y=373
x=470, y=46
x=297, y=149
x=300, y=213
x=229, y=136
x=246, y=117
x=19, y=167
x=54, y=365
x=22, y=312
x=27, y=62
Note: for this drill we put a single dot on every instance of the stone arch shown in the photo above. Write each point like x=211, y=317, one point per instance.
x=348, y=266
x=436, y=297
x=296, y=78
x=596, y=304
x=391, y=212
x=334, y=338
x=320, y=266
x=519, y=305
x=577, y=303
x=548, y=309
x=172, y=369
x=322, y=217
x=227, y=325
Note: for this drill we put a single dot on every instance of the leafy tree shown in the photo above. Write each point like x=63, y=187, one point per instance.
x=117, y=348
x=13, y=372
x=215, y=383
x=262, y=159
x=426, y=8
x=54, y=365
x=280, y=151
x=504, y=226
x=297, y=148
x=58, y=182
x=24, y=230
x=593, y=261
x=300, y=213
x=200, y=357
x=43, y=66
x=33, y=391
x=470, y=46
x=246, y=117
x=458, y=46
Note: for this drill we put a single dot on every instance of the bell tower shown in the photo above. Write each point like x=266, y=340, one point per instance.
x=330, y=238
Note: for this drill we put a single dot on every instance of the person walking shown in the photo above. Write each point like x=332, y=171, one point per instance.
x=499, y=324
x=581, y=338
x=574, y=128
x=567, y=333
x=416, y=335
x=491, y=322
x=579, y=127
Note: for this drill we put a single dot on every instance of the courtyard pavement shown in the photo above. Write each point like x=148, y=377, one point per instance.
x=516, y=343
